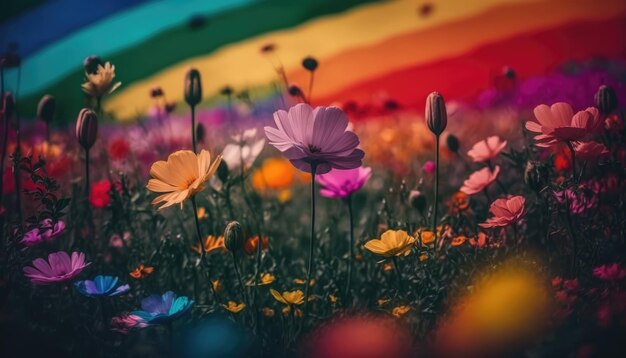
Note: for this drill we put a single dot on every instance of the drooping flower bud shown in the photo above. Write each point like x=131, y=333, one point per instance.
x=417, y=200
x=453, y=143
x=193, y=87
x=91, y=63
x=309, y=63
x=436, y=115
x=606, y=99
x=233, y=236
x=87, y=128
x=46, y=108
x=200, y=132
x=8, y=104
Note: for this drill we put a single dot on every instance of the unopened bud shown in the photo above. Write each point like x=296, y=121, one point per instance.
x=226, y=91
x=87, y=128
x=606, y=99
x=156, y=92
x=436, y=115
x=46, y=108
x=417, y=200
x=295, y=91
x=509, y=73
x=91, y=63
x=309, y=63
x=233, y=236
x=453, y=143
x=193, y=87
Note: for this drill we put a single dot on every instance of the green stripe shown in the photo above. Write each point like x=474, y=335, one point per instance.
x=181, y=43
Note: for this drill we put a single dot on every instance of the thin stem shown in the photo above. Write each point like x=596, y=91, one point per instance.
x=4, y=153
x=87, y=188
x=193, y=128
x=351, y=249
x=571, y=149
x=311, y=239
x=244, y=294
x=99, y=105
x=397, y=270
x=199, y=237
x=436, y=205
x=310, y=96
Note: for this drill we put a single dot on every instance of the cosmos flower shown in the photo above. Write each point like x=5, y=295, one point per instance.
x=317, y=136
x=391, y=243
x=211, y=243
x=610, y=272
x=487, y=149
x=124, y=322
x=590, y=150
x=288, y=297
x=46, y=232
x=245, y=149
x=558, y=123
x=479, y=180
x=400, y=310
x=101, y=83
x=157, y=309
x=340, y=184
x=458, y=203
x=234, y=307
x=265, y=279
x=141, y=271
x=99, y=196
x=505, y=211
x=101, y=286
x=60, y=267
x=580, y=198
x=181, y=176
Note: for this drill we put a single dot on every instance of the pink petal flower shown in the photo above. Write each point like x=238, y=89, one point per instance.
x=60, y=267
x=487, y=149
x=339, y=184
x=558, y=123
x=506, y=211
x=590, y=150
x=479, y=180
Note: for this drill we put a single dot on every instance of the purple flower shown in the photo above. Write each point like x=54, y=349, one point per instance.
x=101, y=286
x=59, y=268
x=161, y=309
x=45, y=232
x=340, y=184
x=317, y=136
x=124, y=322
x=579, y=199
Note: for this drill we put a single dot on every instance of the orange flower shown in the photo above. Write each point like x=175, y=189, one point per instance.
x=400, y=310
x=217, y=285
x=211, y=243
x=383, y=301
x=142, y=271
x=267, y=312
x=458, y=241
x=234, y=307
x=299, y=281
x=458, y=203
x=277, y=175
x=251, y=244
x=427, y=236
x=479, y=241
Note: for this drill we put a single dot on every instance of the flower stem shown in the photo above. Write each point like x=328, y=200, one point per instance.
x=311, y=239
x=310, y=96
x=243, y=287
x=199, y=236
x=571, y=149
x=351, y=249
x=193, y=128
x=87, y=188
x=436, y=204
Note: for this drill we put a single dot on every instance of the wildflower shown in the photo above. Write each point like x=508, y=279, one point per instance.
x=274, y=174
x=233, y=236
x=479, y=241
x=332, y=298
x=558, y=123
x=606, y=99
x=579, y=199
x=60, y=267
x=340, y=184
x=118, y=148
x=479, y=180
x=423, y=257
x=244, y=151
x=101, y=286
x=391, y=243
x=288, y=297
x=426, y=236
x=125, y=322
x=45, y=109
x=610, y=272
x=141, y=271
x=387, y=267
x=506, y=211
x=429, y=167
x=458, y=203
x=181, y=176
x=487, y=149
x=436, y=115
x=202, y=213
x=87, y=128
x=265, y=279
x=234, y=307
x=211, y=243
x=400, y=310
x=268, y=312
x=590, y=150
x=383, y=301
x=99, y=195
x=157, y=309
x=101, y=83
x=46, y=232
x=315, y=138
x=458, y=241
x=251, y=244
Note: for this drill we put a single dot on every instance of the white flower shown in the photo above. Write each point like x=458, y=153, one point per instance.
x=245, y=150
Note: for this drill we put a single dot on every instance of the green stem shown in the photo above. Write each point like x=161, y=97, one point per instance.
x=311, y=239
x=351, y=249
x=193, y=128
x=244, y=294
x=436, y=204
x=199, y=236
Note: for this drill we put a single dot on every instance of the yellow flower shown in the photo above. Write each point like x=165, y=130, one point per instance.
x=181, y=176
x=400, y=310
x=332, y=298
x=101, y=82
x=267, y=312
x=391, y=243
x=266, y=279
x=289, y=298
x=274, y=173
x=299, y=281
x=211, y=243
x=234, y=307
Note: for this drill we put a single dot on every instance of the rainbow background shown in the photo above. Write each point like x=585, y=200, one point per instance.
x=368, y=50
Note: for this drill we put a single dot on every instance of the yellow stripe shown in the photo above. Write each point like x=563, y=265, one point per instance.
x=241, y=65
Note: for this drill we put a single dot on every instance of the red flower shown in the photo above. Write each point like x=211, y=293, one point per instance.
x=251, y=244
x=119, y=149
x=99, y=194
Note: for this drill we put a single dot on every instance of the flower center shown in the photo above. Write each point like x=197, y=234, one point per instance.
x=314, y=149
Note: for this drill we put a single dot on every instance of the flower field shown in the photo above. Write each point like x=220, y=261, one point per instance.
x=468, y=218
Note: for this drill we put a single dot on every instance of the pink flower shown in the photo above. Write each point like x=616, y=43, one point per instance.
x=340, y=184
x=610, y=272
x=315, y=136
x=59, y=268
x=506, y=211
x=590, y=150
x=558, y=123
x=429, y=167
x=124, y=322
x=487, y=149
x=579, y=199
x=47, y=232
x=479, y=180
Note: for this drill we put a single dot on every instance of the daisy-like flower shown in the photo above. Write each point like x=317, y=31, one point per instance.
x=265, y=279
x=318, y=137
x=400, y=310
x=391, y=243
x=234, y=307
x=288, y=297
x=181, y=176
x=506, y=211
x=590, y=150
x=558, y=123
x=101, y=286
x=157, y=309
x=101, y=83
x=479, y=180
x=487, y=149
x=60, y=267
x=211, y=243
x=245, y=150
x=340, y=184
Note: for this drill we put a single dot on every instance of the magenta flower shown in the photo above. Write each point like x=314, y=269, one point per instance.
x=124, y=322
x=59, y=268
x=46, y=232
x=479, y=180
x=610, y=272
x=506, y=211
x=340, y=184
x=317, y=136
x=558, y=123
x=429, y=167
x=487, y=149
x=579, y=199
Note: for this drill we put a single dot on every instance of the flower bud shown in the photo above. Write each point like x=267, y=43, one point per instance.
x=606, y=99
x=46, y=107
x=295, y=91
x=156, y=92
x=8, y=105
x=535, y=175
x=417, y=200
x=226, y=91
x=91, y=63
x=233, y=236
x=509, y=73
x=436, y=115
x=200, y=132
x=309, y=63
x=453, y=143
x=193, y=88
x=87, y=128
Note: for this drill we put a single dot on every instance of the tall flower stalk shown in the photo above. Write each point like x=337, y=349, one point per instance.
x=311, y=241
x=86, y=133
x=193, y=96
